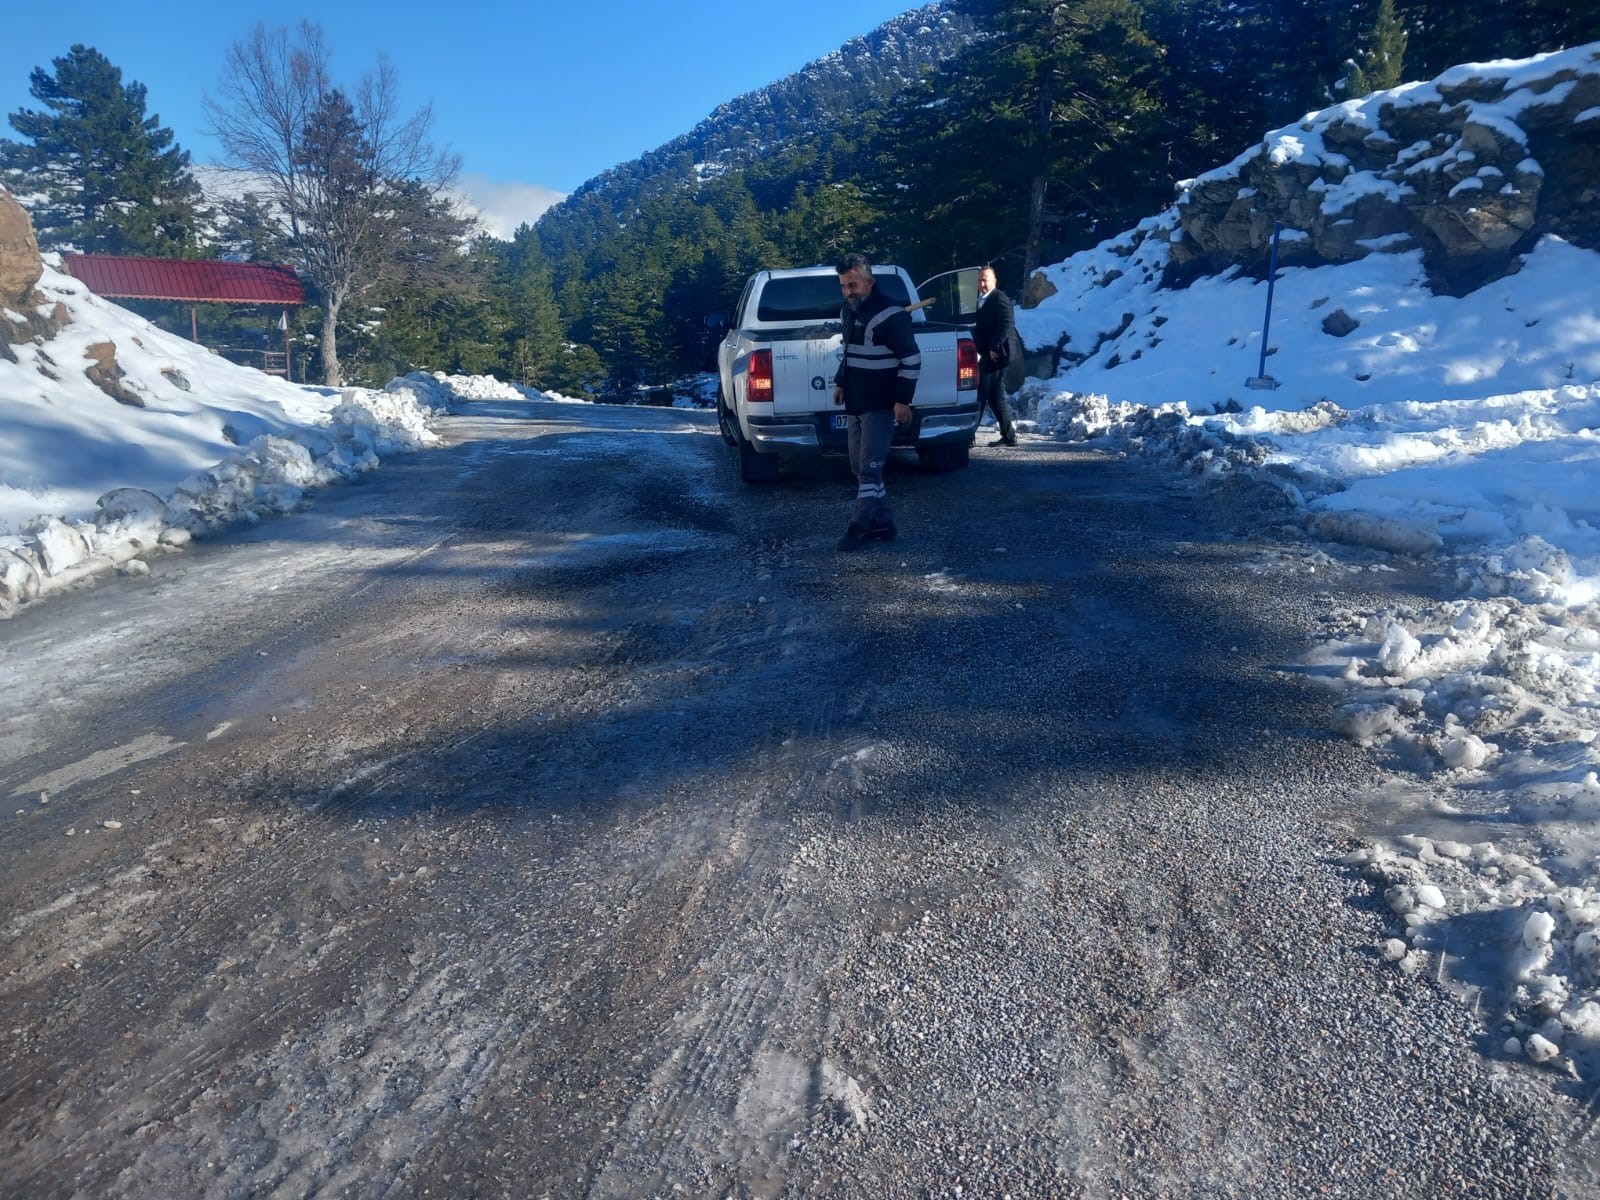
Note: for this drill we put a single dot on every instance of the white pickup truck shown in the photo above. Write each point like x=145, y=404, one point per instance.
x=776, y=364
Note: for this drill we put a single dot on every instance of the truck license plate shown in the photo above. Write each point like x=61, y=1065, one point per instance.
x=836, y=421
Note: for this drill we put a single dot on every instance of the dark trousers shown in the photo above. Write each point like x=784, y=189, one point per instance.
x=868, y=437
x=992, y=391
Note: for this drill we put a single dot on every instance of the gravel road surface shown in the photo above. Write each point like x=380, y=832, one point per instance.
x=552, y=815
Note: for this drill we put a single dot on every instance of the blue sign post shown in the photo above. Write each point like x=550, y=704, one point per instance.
x=1261, y=380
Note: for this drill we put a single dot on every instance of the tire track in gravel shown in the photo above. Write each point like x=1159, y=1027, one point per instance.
x=750, y=1047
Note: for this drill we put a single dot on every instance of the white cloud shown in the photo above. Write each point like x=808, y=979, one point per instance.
x=504, y=206
x=500, y=206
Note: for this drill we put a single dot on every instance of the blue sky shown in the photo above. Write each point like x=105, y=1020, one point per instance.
x=533, y=96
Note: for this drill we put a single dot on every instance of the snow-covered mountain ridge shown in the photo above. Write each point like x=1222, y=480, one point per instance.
x=832, y=88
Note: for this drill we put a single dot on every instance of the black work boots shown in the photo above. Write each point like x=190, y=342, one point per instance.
x=857, y=535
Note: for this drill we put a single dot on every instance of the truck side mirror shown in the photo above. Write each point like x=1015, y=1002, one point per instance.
x=717, y=322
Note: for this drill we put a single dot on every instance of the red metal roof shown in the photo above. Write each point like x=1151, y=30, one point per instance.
x=192, y=280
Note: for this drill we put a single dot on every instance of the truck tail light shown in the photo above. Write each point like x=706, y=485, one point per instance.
x=966, y=365
x=758, y=377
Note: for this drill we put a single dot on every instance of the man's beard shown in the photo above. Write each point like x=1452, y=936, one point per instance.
x=854, y=302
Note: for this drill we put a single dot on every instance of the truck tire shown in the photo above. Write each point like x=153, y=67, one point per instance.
x=755, y=467
x=945, y=457
x=725, y=421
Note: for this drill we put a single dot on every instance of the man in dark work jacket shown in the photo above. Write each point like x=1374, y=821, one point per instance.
x=876, y=380
x=994, y=335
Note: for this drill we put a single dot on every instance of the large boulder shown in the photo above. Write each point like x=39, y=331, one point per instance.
x=20, y=265
x=22, y=314
x=1471, y=169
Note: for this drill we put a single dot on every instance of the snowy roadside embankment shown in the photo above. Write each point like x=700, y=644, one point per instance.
x=90, y=483
x=270, y=474
x=486, y=387
x=1493, y=698
x=1458, y=432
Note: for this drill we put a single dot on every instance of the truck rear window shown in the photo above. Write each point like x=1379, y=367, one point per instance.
x=817, y=297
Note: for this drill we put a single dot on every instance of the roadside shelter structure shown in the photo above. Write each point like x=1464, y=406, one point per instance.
x=196, y=281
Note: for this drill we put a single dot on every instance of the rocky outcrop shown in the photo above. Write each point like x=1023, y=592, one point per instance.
x=1471, y=169
x=1339, y=324
x=20, y=266
x=21, y=318
x=1037, y=289
x=106, y=374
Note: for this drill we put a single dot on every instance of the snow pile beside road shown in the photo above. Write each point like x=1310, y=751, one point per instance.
x=1535, y=330
x=482, y=387
x=1494, y=697
x=697, y=391
x=89, y=484
x=269, y=475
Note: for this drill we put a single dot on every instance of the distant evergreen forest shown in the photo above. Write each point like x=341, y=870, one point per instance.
x=1008, y=131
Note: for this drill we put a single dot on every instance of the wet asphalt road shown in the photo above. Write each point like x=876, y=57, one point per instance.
x=552, y=815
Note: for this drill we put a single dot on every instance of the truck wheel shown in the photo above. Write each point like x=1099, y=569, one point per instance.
x=945, y=457
x=755, y=467
x=725, y=421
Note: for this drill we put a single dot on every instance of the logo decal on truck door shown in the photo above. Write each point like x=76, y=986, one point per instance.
x=818, y=383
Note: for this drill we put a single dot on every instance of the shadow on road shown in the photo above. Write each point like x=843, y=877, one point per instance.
x=658, y=625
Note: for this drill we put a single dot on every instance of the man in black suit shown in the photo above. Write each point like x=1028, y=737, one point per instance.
x=995, y=335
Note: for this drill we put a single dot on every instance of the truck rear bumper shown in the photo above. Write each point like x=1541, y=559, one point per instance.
x=782, y=437
x=813, y=433
x=947, y=423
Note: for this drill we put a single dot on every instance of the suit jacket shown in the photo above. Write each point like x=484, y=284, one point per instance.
x=996, y=330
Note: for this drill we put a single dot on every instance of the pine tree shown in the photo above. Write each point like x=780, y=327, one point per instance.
x=99, y=175
x=1382, y=62
x=1445, y=33
x=249, y=231
x=948, y=179
x=1055, y=112
x=536, y=331
x=458, y=324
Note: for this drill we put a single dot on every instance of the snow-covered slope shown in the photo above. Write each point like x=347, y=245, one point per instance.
x=89, y=483
x=1458, y=431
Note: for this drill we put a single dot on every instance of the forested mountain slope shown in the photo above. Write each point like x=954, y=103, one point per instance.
x=835, y=90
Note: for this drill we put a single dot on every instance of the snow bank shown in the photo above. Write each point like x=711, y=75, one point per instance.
x=484, y=387
x=269, y=475
x=1535, y=330
x=89, y=484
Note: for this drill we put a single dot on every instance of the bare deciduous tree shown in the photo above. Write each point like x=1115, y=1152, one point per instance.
x=354, y=182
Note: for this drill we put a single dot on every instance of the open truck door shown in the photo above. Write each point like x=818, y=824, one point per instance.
x=954, y=301
x=951, y=297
